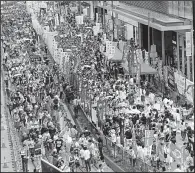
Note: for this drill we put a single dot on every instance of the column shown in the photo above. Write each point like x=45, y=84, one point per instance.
x=139, y=35
x=188, y=67
x=192, y=55
x=178, y=59
x=163, y=47
x=183, y=58
x=91, y=10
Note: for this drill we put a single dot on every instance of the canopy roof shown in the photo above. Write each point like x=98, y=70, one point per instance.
x=145, y=69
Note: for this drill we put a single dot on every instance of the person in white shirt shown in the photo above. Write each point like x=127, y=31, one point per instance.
x=92, y=150
x=100, y=169
x=87, y=156
x=178, y=169
x=133, y=156
x=68, y=143
x=82, y=153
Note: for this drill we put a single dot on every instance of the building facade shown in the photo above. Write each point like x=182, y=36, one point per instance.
x=166, y=24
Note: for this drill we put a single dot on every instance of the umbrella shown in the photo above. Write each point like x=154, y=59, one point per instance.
x=87, y=66
x=135, y=111
x=123, y=104
x=127, y=111
x=16, y=75
x=108, y=97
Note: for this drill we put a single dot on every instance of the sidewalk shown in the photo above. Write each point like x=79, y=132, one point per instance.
x=6, y=150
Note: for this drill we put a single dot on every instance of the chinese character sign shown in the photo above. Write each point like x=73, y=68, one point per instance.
x=149, y=137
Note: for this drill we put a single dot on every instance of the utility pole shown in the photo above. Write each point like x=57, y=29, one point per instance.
x=112, y=22
x=79, y=7
x=149, y=36
x=103, y=22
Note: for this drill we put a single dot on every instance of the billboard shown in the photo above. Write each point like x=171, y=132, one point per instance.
x=48, y=167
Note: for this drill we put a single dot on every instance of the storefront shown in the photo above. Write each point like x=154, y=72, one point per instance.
x=127, y=28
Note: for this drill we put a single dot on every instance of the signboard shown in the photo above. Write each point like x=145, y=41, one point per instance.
x=48, y=167
x=111, y=52
x=149, y=137
x=170, y=78
x=188, y=44
x=95, y=30
x=108, y=46
x=79, y=19
x=180, y=82
x=85, y=11
x=189, y=90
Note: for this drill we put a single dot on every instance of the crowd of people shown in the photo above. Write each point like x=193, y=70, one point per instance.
x=36, y=107
x=34, y=89
x=140, y=109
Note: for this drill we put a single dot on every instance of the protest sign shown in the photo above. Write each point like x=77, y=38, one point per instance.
x=189, y=90
x=180, y=82
x=149, y=137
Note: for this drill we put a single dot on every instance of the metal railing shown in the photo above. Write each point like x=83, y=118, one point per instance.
x=13, y=138
x=118, y=154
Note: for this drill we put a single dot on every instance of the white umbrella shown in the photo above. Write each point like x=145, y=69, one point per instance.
x=128, y=111
x=16, y=75
x=122, y=104
x=107, y=97
x=135, y=111
x=87, y=66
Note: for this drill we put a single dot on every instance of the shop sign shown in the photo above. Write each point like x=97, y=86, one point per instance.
x=188, y=44
x=127, y=20
x=180, y=82
x=170, y=78
x=149, y=137
x=189, y=90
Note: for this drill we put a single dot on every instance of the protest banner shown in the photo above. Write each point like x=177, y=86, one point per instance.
x=189, y=93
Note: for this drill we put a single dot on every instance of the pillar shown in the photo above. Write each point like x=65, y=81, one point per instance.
x=183, y=58
x=188, y=67
x=91, y=10
x=192, y=56
x=139, y=35
x=163, y=47
x=178, y=60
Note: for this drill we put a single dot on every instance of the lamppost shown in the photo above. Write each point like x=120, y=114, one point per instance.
x=122, y=129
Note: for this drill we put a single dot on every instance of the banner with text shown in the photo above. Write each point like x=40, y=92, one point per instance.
x=189, y=90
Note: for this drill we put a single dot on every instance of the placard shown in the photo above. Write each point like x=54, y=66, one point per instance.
x=108, y=45
x=189, y=90
x=149, y=137
x=170, y=78
x=180, y=82
x=85, y=11
x=188, y=44
x=95, y=30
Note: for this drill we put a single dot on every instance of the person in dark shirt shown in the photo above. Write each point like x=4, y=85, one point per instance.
x=86, y=132
x=59, y=144
x=143, y=119
x=128, y=134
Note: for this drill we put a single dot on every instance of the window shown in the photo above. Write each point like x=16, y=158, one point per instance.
x=188, y=9
x=181, y=9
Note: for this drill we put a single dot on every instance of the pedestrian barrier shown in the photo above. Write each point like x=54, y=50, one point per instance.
x=3, y=143
x=5, y=163
x=12, y=135
x=118, y=154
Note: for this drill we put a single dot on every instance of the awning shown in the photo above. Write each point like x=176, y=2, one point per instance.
x=145, y=69
x=118, y=55
x=162, y=22
x=85, y=4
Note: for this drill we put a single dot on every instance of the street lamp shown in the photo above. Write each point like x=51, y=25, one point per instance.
x=122, y=129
